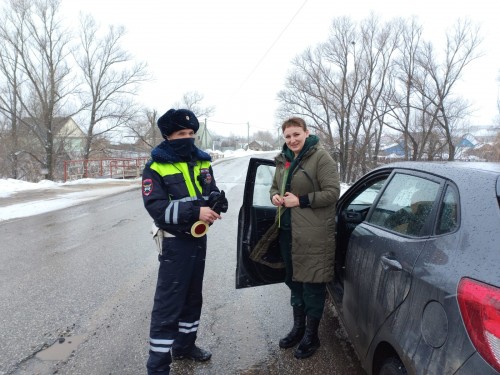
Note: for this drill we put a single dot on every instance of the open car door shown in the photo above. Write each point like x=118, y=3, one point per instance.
x=256, y=216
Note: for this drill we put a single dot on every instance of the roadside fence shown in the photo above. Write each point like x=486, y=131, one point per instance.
x=104, y=168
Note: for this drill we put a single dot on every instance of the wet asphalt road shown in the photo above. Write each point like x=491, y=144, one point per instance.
x=86, y=275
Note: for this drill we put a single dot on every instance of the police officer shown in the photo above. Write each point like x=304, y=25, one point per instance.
x=178, y=190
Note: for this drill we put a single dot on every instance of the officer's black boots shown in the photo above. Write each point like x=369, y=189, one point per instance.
x=310, y=342
x=297, y=332
x=196, y=354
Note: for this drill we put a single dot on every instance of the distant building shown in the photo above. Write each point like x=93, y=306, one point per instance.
x=393, y=149
x=260, y=146
x=483, y=133
x=69, y=139
x=204, y=139
x=28, y=152
x=477, y=144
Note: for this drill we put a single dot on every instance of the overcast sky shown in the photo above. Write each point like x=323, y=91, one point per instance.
x=237, y=52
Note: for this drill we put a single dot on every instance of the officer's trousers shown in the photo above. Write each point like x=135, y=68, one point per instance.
x=177, y=302
x=310, y=296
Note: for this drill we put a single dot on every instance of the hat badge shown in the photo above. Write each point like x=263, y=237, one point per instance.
x=187, y=118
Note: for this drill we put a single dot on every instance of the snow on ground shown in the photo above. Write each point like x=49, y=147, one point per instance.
x=9, y=187
x=10, y=209
x=58, y=198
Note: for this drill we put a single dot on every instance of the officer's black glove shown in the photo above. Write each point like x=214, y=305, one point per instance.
x=218, y=201
x=212, y=198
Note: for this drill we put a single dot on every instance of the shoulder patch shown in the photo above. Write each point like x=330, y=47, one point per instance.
x=206, y=177
x=147, y=186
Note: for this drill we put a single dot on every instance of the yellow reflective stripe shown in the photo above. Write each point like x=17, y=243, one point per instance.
x=165, y=169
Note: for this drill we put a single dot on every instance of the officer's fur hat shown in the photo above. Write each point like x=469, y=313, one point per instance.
x=177, y=119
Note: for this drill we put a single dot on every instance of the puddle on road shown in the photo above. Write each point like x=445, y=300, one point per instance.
x=60, y=351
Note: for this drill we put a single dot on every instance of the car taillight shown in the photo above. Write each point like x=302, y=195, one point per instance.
x=480, y=308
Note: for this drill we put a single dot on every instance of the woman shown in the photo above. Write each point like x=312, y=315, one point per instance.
x=305, y=188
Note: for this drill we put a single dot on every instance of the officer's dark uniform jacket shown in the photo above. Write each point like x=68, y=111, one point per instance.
x=174, y=190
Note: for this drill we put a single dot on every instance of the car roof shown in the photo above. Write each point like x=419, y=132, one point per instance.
x=448, y=169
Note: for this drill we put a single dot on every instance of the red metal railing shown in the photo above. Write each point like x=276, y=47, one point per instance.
x=102, y=168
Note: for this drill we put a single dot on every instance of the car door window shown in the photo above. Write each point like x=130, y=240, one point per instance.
x=353, y=208
x=405, y=204
x=367, y=196
x=263, y=181
x=448, y=212
x=359, y=204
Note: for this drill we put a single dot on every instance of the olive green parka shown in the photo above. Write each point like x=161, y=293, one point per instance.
x=313, y=224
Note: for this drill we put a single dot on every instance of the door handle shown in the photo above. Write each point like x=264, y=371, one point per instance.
x=391, y=264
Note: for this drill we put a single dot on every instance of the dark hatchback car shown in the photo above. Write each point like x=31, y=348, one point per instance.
x=417, y=282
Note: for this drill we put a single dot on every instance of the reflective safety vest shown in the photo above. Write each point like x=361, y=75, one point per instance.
x=186, y=182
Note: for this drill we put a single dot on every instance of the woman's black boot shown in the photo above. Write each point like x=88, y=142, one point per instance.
x=310, y=342
x=297, y=332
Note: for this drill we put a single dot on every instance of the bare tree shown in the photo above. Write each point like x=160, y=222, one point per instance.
x=339, y=87
x=9, y=92
x=496, y=149
x=192, y=100
x=41, y=45
x=306, y=93
x=341, y=53
x=497, y=117
x=447, y=107
x=403, y=102
x=145, y=131
x=111, y=80
x=232, y=141
x=378, y=45
x=44, y=51
x=264, y=135
x=373, y=75
x=322, y=87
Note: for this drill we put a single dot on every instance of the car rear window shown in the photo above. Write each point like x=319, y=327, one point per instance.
x=448, y=212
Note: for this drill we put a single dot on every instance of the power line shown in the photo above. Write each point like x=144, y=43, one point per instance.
x=273, y=44
x=238, y=123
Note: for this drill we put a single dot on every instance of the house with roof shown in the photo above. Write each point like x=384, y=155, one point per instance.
x=477, y=144
x=28, y=141
x=259, y=146
x=69, y=138
x=393, y=150
x=204, y=139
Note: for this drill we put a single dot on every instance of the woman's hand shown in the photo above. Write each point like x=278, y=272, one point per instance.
x=290, y=200
x=208, y=215
x=277, y=200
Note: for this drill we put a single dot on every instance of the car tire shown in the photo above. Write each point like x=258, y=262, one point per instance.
x=392, y=366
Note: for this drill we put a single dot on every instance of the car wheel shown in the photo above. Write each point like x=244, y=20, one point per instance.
x=392, y=366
